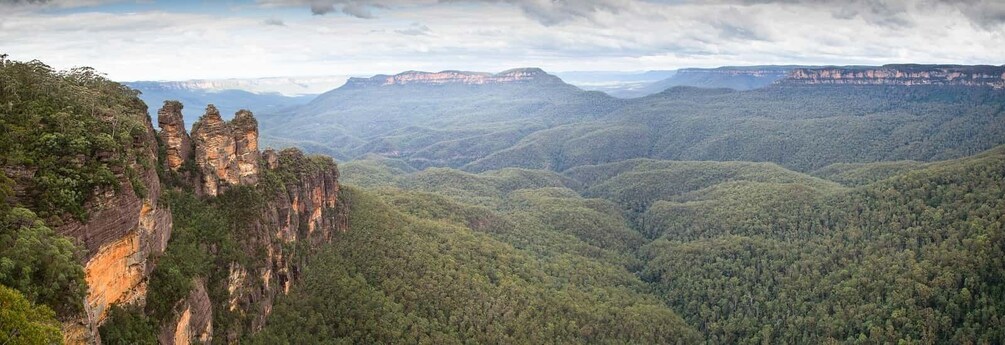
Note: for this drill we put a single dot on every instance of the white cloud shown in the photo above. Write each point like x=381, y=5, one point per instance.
x=490, y=36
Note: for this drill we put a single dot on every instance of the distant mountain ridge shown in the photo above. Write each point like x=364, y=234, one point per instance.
x=286, y=86
x=446, y=118
x=739, y=78
x=901, y=74
x=517, y=75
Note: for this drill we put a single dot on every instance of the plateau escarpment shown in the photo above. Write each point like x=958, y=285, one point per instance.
x=907, y=75
x=518, y=75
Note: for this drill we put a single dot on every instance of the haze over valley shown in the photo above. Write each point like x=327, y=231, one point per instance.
x=502, y=172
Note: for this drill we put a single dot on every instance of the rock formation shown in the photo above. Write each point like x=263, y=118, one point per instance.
x=124, y=230
x=127, y=229
x=177, y=143
x=195, y=322
x=519, y=75
x=309, y=210
x=908, y=75
x=226, y=153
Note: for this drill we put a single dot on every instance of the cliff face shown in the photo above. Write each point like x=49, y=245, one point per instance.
x=127, y=230
x=520, y=75
x=225, y=152
x=177, y=143
x=908, y=75
x=307, y=212
x=123, y=231
x=301, y=207
x=195, y=321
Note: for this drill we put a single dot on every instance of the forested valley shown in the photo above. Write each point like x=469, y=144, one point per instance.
x=822, y=214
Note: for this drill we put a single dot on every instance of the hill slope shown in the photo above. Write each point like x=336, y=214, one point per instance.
x=435, y=119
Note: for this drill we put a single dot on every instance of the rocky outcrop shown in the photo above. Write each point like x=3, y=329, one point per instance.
x=519, y=75
x=245, y=131
x=301, y=205
x=177, y=143
x=306, y=209
x=906, y=75
x=195, y=322
x=125, y=229
x=226, y=153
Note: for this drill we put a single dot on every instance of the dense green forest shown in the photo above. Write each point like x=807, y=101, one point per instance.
x=63, y=137
x=744, y=252
x=669, y=219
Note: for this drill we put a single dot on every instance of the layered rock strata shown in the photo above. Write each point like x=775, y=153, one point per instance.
x=906, y=75
x=226, y=153
x=124, y=230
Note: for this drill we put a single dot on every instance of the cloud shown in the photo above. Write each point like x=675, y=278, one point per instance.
x=55, y=3
x=546, y=12
x=554, y=12
x=493, y=35
x=274, y=22
x=415, y=29
x=986, y=14
x=895, y=14
x=354, y=8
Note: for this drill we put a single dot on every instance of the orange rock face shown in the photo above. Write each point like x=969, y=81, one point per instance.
x=124, y=230
x=176, y=140
x=226, y=152
x=113, y=274
x=195, y=322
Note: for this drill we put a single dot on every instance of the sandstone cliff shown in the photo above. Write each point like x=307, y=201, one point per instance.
x=300, y=209
x=226, y=153
x=128, y=229
x=176, y=141
x=519, y=75
x=195, y=321
x=125, y=229
x=907, y=75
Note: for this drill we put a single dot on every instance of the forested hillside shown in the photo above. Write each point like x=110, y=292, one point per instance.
x=799, y=127
x=547, y=124
x=433, y=123
x=744, y=252
x=509, y=208
x=56, y=151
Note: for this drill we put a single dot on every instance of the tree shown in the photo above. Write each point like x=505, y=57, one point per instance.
x=22, y=322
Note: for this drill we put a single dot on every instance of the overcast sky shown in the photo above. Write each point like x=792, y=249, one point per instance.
x=177, y=40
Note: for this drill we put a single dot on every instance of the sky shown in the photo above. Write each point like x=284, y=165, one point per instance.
x=188, y=39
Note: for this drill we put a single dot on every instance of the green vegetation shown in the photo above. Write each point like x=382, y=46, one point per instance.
x=438, y=280
x=40, y=263
x=198, y=225
x=913, y=258
x=747, y=252
x=557, y=127
x=22, y=322
x=208, y=236
x=858, y=174
x=442, y=125
x=65, y=134
x=675, y=218
x=802, y=128
x=127, y=326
